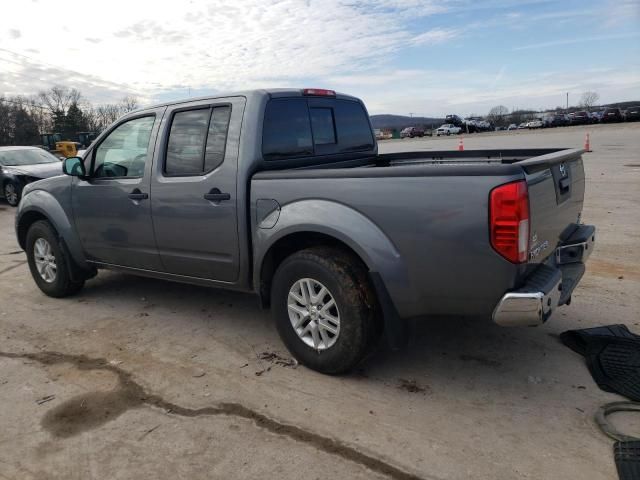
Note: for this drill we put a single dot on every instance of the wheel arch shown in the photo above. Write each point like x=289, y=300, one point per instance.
x=289, y=244
x=40, y=205
x=314, y=222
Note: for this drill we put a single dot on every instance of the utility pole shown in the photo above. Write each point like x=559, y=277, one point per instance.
x=411, y=114
x=567, y=100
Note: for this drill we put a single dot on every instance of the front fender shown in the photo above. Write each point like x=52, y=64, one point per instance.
x=44, y=204
x=343, y=223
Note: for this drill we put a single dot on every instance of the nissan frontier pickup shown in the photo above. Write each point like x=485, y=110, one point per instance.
x=282, y=193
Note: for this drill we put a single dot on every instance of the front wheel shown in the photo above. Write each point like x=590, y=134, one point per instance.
x=324, y=309
x=48, y=266
x=12, y=193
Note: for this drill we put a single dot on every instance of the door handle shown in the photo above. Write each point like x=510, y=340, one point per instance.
x=136, y=194
x=215, y=195
x=564, y=185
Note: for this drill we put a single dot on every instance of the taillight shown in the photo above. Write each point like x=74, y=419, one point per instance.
x=509, y=220
x=319, y=92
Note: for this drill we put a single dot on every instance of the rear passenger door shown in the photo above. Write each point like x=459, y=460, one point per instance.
x=193, y=190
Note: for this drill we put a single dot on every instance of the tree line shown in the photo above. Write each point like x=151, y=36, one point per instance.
x=58, y=110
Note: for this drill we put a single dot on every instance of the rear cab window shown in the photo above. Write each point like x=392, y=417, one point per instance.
x=312, y=126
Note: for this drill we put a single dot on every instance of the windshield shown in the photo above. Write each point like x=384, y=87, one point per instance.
x=32, y=156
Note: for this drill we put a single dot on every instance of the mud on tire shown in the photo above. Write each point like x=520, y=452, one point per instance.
x=347, y=282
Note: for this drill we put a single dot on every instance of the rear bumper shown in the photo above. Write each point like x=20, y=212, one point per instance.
x=550, y=286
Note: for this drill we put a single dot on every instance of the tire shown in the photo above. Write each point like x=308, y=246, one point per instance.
x=347, y=284
x=43, y=247
x=12, y=192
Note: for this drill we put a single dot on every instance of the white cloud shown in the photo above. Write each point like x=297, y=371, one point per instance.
x=221, y=45
x=162, y=49
x=435, y=36
x=570, y=41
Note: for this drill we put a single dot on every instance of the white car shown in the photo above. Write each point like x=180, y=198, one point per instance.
x=535, y=124
x=447, y=129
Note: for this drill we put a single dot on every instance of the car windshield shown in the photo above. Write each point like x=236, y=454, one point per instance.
x=28, y=156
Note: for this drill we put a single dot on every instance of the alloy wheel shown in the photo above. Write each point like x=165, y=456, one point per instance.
x=314, y=314
x=11, y=194
x=45, y=260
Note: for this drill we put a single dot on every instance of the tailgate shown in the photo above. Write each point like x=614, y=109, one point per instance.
x=556, y=193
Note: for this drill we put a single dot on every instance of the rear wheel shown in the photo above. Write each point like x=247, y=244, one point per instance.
x=324, y=309
x=12, y=193
x=47, y=263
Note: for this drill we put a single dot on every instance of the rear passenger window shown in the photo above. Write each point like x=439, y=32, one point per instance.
x=287, y=130
x=197, y=141
x=186, y=142
x=322, y=123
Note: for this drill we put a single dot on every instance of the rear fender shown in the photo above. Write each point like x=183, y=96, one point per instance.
x=344, y=224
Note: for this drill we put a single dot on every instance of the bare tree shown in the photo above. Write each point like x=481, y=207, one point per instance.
x=129, y=103
x=498, y=115
x=58, y=99
x=589, y=99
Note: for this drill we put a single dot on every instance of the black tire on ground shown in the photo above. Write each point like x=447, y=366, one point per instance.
x=9, y=189
x=62, y=285
x=347, y=282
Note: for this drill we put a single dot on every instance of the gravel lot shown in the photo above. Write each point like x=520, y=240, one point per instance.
x=150, y=379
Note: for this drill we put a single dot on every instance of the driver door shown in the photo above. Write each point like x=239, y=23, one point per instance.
x=112, y=208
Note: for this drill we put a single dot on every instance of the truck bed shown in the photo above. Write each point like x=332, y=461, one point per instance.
x=528, y=159
x=433, y=207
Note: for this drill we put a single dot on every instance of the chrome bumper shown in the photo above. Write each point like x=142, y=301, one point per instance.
x=550, y=286
x=531, y=306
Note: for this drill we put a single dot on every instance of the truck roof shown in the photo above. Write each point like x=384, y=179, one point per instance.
x=270, y=92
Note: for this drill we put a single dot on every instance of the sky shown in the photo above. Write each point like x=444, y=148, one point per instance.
x=427, y=58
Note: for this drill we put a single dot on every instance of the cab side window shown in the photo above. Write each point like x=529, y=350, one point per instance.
x=124, y=152
x=197, y=141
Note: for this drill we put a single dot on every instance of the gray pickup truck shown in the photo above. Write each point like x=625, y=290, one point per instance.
x=283, y=193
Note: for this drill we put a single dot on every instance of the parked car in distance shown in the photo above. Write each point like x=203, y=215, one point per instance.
x=580, y=118
x=555, y=120
x=523, y=125
x=22, y=165
x=632, y=114
x=512, y=126
x=411, y=132
x=537, y=123
x=448, y=129
x=454, y=120
x=282, y=193
x=611, y=115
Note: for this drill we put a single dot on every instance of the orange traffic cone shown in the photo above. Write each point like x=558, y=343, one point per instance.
x=587, y=145
x=461, y=145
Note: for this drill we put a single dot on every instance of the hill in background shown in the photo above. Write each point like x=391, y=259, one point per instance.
x=400, y=121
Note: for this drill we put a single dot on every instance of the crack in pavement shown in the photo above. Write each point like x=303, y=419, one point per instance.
x=91, y=410
x=18, y=264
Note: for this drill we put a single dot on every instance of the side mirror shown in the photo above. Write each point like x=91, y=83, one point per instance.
x=74, y=166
